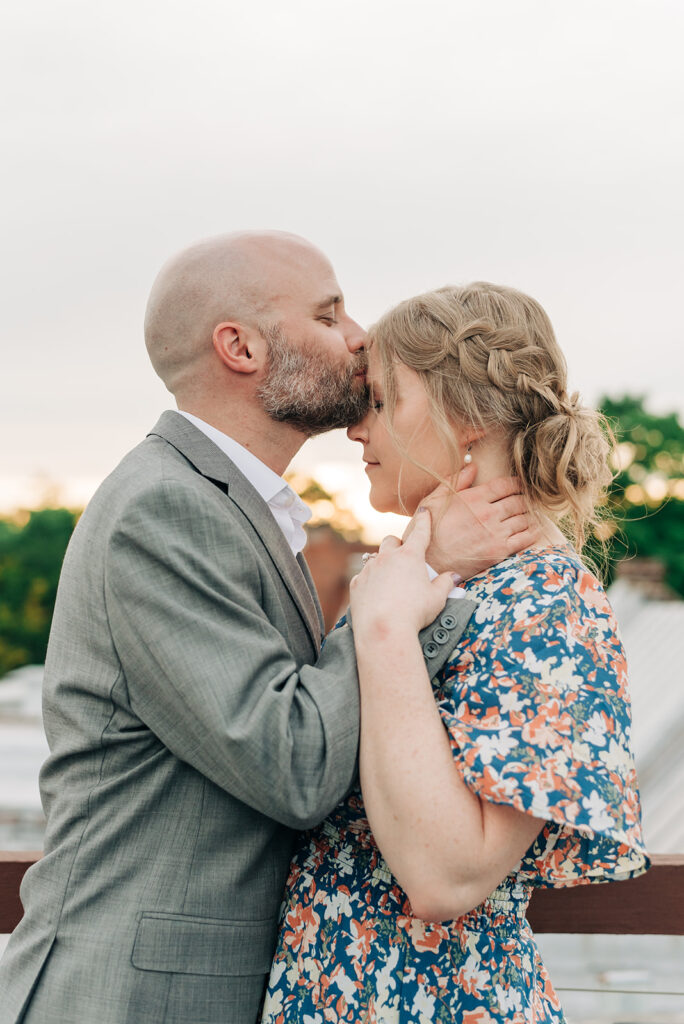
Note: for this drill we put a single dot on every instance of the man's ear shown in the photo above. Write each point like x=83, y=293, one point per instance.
x=240, y=348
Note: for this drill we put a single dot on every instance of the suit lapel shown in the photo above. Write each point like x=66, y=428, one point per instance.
x=312, y=590
x=213, y=464
x=258, y=514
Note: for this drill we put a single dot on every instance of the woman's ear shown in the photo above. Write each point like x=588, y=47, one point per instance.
x=240, y=348
x=473, y=435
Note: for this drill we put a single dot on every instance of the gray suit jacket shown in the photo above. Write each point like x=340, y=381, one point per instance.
x=194, y=723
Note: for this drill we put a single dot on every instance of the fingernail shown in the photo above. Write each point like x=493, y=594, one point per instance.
x=421, y=508
x=457, y=578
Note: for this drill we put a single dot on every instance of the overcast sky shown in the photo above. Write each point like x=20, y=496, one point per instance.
x=529, y=142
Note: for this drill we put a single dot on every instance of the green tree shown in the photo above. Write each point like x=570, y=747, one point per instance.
x=646, y=500
x=30, y=561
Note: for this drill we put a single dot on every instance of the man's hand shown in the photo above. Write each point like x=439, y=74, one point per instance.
x=476, y=527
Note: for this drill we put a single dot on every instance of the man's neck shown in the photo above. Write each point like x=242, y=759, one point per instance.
x=275, y=444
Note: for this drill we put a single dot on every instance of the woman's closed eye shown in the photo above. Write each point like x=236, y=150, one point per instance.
x=376, y=402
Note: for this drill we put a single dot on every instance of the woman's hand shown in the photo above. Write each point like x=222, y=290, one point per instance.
x=394, y=588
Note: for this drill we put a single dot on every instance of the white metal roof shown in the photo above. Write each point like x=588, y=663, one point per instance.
x=653, y=635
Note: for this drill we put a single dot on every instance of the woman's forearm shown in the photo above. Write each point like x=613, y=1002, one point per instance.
x=446, y=848
x=425, y=820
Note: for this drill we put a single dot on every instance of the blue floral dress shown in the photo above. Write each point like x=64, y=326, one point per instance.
x=535, y=703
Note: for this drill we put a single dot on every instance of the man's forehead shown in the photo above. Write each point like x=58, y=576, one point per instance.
x=310, y=282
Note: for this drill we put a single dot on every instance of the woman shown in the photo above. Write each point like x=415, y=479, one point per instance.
x=514, y=771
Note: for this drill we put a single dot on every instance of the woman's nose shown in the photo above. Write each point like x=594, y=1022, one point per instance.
x=359, y=431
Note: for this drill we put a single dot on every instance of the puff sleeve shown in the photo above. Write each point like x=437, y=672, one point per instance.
x=535, y=703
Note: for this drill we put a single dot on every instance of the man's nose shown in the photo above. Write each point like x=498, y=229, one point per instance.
x=355, y=336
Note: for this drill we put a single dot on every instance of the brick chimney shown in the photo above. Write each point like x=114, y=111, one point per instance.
x=333, y=561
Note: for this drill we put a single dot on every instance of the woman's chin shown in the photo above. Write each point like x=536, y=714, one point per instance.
x=384, y=502
x=388, y=503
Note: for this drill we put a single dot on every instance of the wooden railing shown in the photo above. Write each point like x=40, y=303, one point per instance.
x=12, y=869
x=650, y=905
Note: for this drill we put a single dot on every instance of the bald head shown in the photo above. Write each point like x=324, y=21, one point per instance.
x=236, y=277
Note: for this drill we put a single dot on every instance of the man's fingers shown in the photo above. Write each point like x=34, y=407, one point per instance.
x=440, y=492
x=512, y=506
x=517, y=524
x=521, y=541
x=503, y=486
x=389, y=543
x=460, y=482
x=466, y=478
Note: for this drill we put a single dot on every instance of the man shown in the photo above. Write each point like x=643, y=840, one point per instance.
x=194, y=720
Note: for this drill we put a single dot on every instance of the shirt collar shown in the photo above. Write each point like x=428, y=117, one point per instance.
x=262, y=478
x=272, y=488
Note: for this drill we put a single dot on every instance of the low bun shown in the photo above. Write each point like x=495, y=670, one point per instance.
x=563, y=461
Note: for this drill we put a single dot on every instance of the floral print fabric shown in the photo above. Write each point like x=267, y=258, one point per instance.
x=535, y=704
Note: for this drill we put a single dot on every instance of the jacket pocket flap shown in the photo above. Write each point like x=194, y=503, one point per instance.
x=181, y=944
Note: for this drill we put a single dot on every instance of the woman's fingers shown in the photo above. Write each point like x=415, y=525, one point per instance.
x=395, y=587
x=408, y=531
x=443, y=584
x=389, y=543
x=418, y=537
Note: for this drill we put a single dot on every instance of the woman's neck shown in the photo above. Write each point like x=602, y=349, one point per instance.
x=490, y=459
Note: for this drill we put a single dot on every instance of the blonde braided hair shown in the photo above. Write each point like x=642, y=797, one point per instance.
x=488, y=358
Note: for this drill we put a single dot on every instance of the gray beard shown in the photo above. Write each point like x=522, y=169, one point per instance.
x=303, y=389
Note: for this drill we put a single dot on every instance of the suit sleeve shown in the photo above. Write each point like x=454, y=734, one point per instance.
x=439, y=639
x=211, y=676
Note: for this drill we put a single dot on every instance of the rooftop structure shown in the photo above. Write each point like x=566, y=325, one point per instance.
x=651, y=619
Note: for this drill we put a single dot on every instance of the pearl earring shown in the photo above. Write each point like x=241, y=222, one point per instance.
x=467, y=458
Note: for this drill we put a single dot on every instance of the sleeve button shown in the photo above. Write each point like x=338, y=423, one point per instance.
x=448, y=621
x=430, y=649
x=440, y=636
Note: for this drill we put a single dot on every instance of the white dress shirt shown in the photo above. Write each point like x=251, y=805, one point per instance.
x=287, y=508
